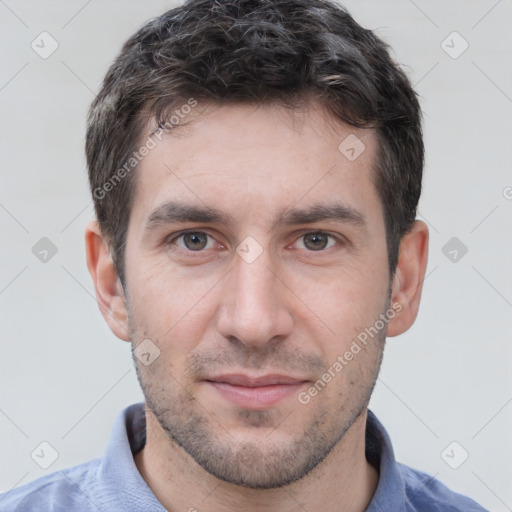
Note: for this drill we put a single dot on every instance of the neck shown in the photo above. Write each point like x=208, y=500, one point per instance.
x=343, y=482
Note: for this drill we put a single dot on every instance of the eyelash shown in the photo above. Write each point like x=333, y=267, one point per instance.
x=172, y=239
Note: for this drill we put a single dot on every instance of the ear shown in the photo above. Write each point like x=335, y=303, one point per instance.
x=408, y=281
x=109, y=291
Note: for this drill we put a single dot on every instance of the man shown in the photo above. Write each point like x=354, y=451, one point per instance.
x=255, y=167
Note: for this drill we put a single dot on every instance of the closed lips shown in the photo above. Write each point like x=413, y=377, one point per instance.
x=253, y=382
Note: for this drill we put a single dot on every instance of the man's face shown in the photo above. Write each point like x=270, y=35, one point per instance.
x=284, y=263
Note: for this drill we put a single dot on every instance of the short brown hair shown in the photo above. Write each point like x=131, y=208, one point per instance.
x=255, y=51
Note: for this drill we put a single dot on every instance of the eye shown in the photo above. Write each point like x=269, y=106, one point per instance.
x=194, y=241
x=317, y=241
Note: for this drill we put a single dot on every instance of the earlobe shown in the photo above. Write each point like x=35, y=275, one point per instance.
x=408, y=280
x=109, y=291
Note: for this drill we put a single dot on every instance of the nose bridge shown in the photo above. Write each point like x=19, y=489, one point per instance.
x=253, y=307
x=254, y=284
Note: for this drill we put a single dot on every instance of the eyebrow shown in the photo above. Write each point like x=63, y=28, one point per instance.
x=334, y=211
x=176, y=212
x=173, y=212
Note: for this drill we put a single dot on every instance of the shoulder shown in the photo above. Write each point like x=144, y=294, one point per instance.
x=65, y=490
x=424, y=492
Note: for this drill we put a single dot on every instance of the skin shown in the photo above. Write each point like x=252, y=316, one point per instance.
x=292, y=311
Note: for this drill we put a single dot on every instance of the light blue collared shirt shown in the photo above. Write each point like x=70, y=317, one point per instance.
x=113, y=483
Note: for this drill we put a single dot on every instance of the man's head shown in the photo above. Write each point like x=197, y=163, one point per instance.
x=265, y=52
x=265, y=236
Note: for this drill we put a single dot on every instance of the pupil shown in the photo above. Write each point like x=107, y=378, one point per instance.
x=195, y=241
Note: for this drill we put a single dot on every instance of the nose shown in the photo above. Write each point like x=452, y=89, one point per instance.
x=255, y=306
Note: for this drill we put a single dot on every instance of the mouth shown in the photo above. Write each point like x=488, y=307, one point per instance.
x=256, y=393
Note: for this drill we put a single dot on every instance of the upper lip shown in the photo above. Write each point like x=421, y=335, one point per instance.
x=253, y=382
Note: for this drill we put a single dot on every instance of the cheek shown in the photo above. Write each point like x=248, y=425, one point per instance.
x=347, y=300
x=170, y=308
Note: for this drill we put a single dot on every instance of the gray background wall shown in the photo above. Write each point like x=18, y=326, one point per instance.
x=63, y=375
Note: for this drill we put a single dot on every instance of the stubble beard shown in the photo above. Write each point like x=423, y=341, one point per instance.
x=256, y=464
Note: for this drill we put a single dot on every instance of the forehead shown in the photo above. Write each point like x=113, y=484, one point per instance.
x=246, y=159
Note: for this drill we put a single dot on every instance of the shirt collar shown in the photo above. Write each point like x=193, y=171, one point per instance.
x=390, y=492
x=119, y=473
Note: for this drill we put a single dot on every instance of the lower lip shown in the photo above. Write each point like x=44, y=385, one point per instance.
x=260, y=397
